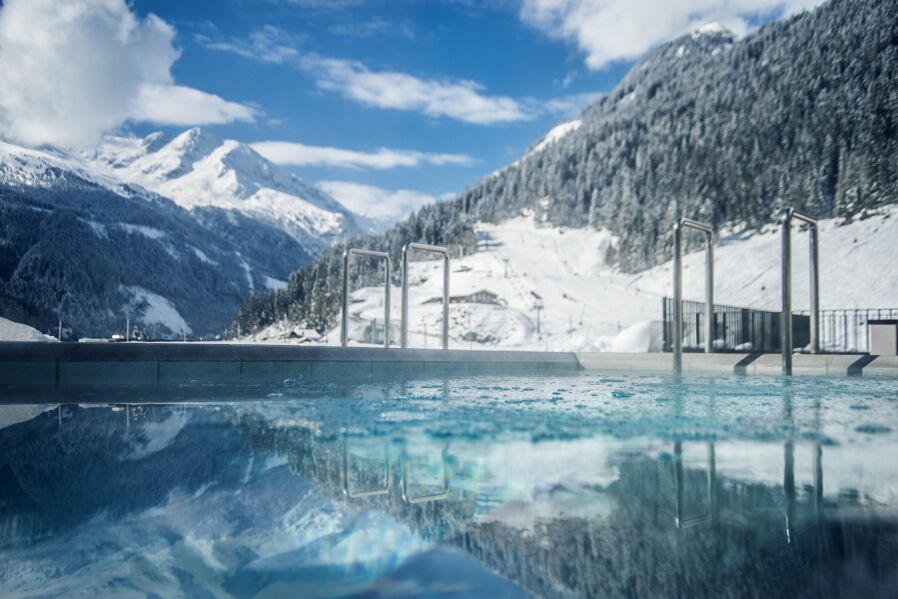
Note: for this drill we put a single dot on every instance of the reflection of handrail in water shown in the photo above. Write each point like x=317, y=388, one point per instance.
x=349, y=493
x=711, y=515
x=439, y=496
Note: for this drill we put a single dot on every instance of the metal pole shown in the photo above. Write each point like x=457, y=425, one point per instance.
x=678, y=301
x=403, y=325
x=387, y=303
x=786, y=316
x=815, y=290
x=446, y=301
x=709, y=295
x=344, y=322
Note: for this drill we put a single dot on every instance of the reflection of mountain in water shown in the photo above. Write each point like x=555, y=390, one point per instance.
x=733, y=539
x=238, y=500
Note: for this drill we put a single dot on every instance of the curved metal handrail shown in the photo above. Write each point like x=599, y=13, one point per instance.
x=434, y=249
x=786, y=317
x=679, y=225
x=344, y=324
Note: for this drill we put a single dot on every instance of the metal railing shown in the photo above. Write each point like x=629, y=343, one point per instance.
x=734, y=328
x=786, y=329
x=846, y=330
x=344, y=326
x=434, y=249
x=685, y=223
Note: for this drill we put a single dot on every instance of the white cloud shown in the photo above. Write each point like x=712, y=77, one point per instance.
x=267, y=44
x=610, y=30
x=382, y=206
x=297, y=154
x=571, y=104
x=461, y=100
x=179, y=105
x=72, y=70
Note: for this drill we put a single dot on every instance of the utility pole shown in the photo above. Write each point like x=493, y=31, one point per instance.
x=538, y=308
x=127, y=327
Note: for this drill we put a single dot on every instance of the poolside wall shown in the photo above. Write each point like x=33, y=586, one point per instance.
x=174, y=364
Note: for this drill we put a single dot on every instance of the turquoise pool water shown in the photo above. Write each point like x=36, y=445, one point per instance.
x=575, y=486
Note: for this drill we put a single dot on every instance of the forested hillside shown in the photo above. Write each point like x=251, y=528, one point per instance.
x=802, y=113
x=78, y=251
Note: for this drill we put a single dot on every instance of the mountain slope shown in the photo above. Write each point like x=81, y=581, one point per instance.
x=588, y=304
x=803, y=113
x=198, y=169
x=91, y=249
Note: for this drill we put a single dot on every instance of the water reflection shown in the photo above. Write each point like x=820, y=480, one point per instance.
x=257, y=498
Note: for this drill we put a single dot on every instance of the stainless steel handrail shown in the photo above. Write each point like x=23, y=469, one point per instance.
x=439, y=496
x=786, y=318
x=435, y=249
x=679, y=225
x=350, y=494
x=344, y=325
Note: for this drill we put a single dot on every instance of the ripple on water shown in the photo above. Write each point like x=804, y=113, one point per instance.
x=873, y=429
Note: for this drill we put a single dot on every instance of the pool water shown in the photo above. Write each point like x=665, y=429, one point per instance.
x=578, y=486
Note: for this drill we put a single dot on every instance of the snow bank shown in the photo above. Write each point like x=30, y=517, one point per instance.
x=14, y=331
x=159, y=310
x=645, y=336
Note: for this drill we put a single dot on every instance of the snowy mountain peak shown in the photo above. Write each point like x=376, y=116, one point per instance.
x=177, y=157
x=199, y=169
x=556, y=133
x=155, y=141
x=713, y=30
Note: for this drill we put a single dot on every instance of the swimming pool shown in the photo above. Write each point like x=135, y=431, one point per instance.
x=499, y=486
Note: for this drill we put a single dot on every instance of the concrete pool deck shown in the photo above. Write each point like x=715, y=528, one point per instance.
x=177, y=364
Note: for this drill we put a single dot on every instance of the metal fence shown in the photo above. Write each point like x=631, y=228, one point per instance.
x=735, y=329
x=846, y=330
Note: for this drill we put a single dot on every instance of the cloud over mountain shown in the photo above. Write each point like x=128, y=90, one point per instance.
x=611, y=30
x=73, y=70
x=298, y=154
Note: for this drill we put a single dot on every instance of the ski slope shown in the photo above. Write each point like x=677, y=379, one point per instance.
x=589, y=305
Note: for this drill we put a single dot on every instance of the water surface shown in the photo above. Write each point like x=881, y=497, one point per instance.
x=503, y=487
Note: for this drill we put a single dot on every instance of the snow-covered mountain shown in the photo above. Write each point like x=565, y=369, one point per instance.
x=84, y=245
x=175, y=231
x=196, y=169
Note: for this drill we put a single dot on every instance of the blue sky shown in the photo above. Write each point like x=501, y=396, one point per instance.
x=430, y=40
x=380, y=101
